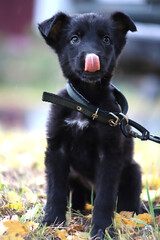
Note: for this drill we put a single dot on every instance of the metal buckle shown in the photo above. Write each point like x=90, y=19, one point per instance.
x=95, y=115
x=124, y=117
x=113, y=122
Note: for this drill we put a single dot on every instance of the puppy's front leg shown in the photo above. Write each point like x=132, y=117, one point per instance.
x=57, y=176
x=107, y=182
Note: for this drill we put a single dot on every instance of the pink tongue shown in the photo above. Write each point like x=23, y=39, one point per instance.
x=92, y=63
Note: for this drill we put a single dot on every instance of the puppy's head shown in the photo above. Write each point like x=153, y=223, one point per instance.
x=87, y=45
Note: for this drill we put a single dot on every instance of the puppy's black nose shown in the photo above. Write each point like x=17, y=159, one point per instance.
x=92, y=63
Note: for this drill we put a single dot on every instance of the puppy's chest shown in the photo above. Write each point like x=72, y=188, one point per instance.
x=80, y=126
x=77, y=122
x=83, y=140
x=87, y=141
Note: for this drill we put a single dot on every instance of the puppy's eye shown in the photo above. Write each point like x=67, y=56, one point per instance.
x=75, y=40
x=106, y=40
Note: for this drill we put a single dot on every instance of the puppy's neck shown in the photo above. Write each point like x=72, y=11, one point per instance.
x=96, y=93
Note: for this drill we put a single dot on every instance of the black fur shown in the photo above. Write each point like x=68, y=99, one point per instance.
x=82, y=152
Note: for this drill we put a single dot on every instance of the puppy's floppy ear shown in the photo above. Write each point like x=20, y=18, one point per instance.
x=123, y=22
x=51, y=28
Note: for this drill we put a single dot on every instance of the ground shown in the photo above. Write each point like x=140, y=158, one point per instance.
x=22, y=193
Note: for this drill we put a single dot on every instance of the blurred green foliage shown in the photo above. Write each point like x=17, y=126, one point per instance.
x=27, y=64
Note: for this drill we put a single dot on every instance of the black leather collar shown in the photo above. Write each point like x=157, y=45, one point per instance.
x=75, y=95
x=80, y=104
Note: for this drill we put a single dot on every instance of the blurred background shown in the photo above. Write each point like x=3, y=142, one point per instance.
x=28, y=67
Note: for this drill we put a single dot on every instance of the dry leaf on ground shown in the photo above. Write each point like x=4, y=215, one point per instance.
x=30, y=196
x=132, y=222
x=13, y=197
x=62, y=234
x=15, y=228
x=16, y=206
x=75, y=227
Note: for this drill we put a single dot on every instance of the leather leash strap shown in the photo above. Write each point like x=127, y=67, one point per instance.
x=80, y=104
x=92, y=112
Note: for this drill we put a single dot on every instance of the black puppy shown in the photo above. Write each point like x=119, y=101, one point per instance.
x=83, y=152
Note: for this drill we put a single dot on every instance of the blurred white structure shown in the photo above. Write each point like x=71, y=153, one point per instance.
x=46, y=9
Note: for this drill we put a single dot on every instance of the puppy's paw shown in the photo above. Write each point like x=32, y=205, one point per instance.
x=99, y=234
x=47, y=221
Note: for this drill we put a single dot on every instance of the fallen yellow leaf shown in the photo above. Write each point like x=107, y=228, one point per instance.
x=16, y=228
x=126, y=214
x=12, y=236
x=145, y=217
x=62, y=234
x=78, y=227
x=82, y=235
x=32, y=225
x=13, y=197
x=74, y=228
x=16, y=206
x=31, y=197
x=88, y=207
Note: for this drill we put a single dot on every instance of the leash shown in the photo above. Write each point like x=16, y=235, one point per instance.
x=81, y=104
